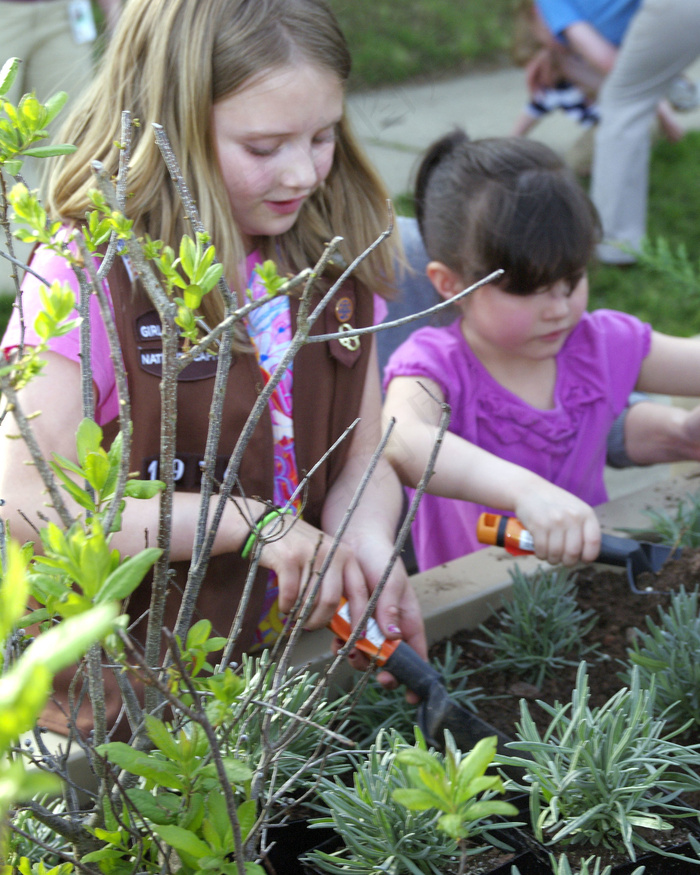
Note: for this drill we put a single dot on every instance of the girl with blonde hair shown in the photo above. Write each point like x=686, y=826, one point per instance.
x=251, y=96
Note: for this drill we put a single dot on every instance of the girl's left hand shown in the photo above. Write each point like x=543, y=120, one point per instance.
x=398, y=611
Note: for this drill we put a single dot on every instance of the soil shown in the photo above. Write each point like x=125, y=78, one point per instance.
x=620, y=611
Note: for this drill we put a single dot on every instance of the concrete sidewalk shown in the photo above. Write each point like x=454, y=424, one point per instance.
x=395, y=125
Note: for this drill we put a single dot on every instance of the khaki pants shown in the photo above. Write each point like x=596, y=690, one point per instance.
x=662, y=40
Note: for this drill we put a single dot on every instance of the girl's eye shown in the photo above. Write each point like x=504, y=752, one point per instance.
x=325, y=136
x=261, y=151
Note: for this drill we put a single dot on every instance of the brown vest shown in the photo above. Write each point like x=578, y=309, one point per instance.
x=327, y=390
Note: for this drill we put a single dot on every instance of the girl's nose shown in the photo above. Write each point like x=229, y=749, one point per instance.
x=300, y=171
x=558, y=303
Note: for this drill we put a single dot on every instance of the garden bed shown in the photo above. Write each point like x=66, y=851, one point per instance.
x=619, y=610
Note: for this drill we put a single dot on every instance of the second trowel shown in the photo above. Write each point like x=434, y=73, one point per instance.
x=437, y=711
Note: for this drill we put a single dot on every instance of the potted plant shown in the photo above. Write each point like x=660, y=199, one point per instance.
x=607, y=778
x=413, y=810
x=666, y=654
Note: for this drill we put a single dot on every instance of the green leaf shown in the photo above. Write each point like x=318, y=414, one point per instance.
x=453, y=826
x=236, y=771
x=198, y=633
x=54, y=105
x=88, y=439
x=182, y=840
x=8, y=74
x=146, y=765
x=188, y=255
x=193, y=296
x=422, y=759
x=14, y=589
x=162, y=808
x=124, y=579
x=143, y=488
x=218, y=820
x=97, y=470
x=77, y=493
x=13, y=167
x=415, y=800
x=159, y=734
x=476, y=762
x=246, y=817
x=64, y=643
x=49, y=151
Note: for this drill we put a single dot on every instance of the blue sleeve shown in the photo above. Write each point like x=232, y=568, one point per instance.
x=559, y=14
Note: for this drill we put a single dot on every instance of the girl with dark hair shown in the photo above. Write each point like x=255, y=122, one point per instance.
x=534, y=382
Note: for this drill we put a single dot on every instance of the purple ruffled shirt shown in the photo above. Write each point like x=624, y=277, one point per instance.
x=597, y=368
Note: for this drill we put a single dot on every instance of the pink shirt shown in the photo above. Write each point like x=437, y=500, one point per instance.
x=597, y=369
x=53, y=267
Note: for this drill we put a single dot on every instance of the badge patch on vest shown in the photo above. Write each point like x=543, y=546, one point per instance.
x=150, y=351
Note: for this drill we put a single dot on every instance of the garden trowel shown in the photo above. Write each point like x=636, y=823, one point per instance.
x=437, y=711
x=638, y=557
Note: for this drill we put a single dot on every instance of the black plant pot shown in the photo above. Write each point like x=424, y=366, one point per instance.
x=291, y=841
x=526, y=860
x=654, y=863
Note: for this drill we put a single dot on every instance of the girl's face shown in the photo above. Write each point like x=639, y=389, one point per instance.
x=533, y=327
x=275, y=141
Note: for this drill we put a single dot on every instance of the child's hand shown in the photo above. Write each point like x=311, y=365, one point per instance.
x=398, y=612
x=298, y=555
x=564, y=528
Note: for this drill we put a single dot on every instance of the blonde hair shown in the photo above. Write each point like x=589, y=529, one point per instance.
x=169, y=62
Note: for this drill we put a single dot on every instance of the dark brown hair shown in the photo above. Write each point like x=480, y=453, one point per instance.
x=504, y=203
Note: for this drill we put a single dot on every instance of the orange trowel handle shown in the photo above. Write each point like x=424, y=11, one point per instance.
x=504, y=531
x=372, y=643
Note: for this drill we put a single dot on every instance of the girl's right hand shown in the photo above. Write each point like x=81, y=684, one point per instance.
x=564, y=528
x=298, y=555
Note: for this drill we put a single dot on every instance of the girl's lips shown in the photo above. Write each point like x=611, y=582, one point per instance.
x=554, y=336
x=284, y=208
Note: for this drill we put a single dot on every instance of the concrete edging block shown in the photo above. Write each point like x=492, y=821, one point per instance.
x=460, y=594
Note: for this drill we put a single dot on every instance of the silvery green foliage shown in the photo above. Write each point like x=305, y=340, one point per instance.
x=275, y=711
x=588, y=866
x=598, y=775
x=541, y=626
x=379, y=834
x=679, y=527
x=669, y=654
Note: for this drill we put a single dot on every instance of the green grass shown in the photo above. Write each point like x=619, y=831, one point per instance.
x=674, y=215
x=392, y=42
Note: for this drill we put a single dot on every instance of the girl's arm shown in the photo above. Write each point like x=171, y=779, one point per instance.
x=672, y=366
x=564, y=528
x=658, y=432
x=372, y=529
x=55, y=396
x=661, y=433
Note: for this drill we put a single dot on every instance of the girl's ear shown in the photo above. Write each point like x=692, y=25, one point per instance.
x=447, y=283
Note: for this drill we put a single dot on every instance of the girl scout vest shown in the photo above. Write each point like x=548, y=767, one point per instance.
x=328, y=384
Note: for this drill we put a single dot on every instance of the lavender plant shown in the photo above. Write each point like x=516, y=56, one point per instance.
x=540, y=628
x=380, y=834
x=603, y=775
x=668, y=654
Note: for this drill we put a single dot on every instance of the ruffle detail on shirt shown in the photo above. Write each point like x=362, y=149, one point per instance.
x=554, y=431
